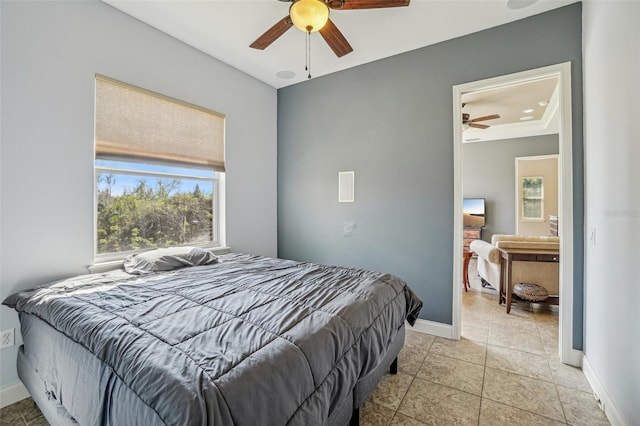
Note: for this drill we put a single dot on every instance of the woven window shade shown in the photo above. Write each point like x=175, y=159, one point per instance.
x=139, y=125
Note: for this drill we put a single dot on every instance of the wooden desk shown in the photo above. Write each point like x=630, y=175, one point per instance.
x=507, y=256
x=466, y=256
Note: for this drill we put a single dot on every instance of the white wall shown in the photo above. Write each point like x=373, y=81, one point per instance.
x=50, y=54
x=611, y=40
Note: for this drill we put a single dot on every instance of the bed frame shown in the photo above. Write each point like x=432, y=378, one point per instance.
x=366, y=384
x=346, y=413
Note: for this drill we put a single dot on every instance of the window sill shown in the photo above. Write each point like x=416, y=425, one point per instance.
x=111, y=265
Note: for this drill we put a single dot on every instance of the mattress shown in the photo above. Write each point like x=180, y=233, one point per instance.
x=248, y=338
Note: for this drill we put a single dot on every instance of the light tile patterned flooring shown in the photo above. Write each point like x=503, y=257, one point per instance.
x=22, y=413
x=504, y=371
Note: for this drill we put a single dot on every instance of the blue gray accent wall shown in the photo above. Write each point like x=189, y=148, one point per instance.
x=391, y=122
x=489, y=173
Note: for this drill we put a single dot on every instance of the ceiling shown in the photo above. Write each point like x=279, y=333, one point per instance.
x=224, y=29
x=525, y=109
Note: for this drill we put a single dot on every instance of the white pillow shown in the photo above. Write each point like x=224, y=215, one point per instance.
x=167, y=259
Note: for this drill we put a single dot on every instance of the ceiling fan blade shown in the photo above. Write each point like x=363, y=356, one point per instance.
x=479, y=126
x=365, y=4
x=272, y=33
x=485, y=118
x=335, y=39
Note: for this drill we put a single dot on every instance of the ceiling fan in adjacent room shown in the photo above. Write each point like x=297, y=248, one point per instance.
x=313, y=15
x=467, y=121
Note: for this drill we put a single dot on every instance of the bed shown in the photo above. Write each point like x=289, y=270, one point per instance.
x=243, y=340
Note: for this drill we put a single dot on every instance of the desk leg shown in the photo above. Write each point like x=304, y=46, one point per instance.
x=508, y=282
x=465, y=272
x=501, y=284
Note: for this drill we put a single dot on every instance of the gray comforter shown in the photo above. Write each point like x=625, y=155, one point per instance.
x=245, y=339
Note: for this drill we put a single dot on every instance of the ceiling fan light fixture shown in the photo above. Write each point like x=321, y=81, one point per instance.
x=309, y=15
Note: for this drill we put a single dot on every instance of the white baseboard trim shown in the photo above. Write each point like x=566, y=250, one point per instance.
x=601, y=394
x=433, y=328
x=12, y=394
x=575, y=358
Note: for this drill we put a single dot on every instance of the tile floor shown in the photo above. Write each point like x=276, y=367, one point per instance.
x=504, y=371
x=22, y=413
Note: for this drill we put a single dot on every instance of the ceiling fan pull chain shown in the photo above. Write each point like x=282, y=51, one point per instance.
x=308, y=66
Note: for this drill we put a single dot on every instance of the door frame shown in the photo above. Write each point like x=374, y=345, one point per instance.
x=568, y=355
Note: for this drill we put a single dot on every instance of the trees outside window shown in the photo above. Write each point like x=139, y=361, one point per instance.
x=139, y=208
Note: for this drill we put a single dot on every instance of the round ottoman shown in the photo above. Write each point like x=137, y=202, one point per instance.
x=530, y=292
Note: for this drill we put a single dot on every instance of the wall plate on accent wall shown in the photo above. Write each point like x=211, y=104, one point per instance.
x=346, y=187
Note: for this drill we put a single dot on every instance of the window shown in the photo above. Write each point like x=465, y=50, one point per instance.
x=532, y=198
x=159, y=171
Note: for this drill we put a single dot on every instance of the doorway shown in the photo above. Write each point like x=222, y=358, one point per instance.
x=565, y=205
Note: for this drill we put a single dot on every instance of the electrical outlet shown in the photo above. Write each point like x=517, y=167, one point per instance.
x=7, y=338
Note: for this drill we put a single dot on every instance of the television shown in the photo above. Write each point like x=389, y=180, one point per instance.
x=473, y=210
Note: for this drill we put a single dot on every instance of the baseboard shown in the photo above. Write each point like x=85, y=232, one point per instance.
x=433, y=328
x=574, y=358
x=601, y=394
x=12, y=394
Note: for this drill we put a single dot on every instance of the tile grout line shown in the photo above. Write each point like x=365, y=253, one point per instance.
x=484, y=370
x=543, y=322
x=416, y=375
x=526, y=411
x=447, y=386
x=412, y=380
x=545, y=357
x=484, y=374
x=532, y=378
x=555, y=386
x=24, y=419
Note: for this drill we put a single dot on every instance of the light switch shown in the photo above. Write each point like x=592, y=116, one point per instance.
x=592, y=236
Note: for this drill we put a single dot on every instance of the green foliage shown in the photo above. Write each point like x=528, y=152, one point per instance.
x=532, y=187
x=148, y=217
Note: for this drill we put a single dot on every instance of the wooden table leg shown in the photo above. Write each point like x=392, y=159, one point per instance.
x=465, y=270
x=508, y=283
x=501, y=285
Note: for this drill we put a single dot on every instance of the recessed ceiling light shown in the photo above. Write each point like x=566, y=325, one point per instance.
x=543, y=103
x=519, y=4
x=286, y=74
x=527, y=111
x=527, y=117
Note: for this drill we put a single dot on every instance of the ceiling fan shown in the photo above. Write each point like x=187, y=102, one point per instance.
x=313, y=15
x=467, y=121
